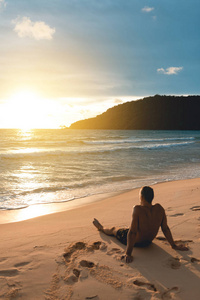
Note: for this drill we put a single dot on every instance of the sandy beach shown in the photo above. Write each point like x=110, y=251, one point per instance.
x=62, y=256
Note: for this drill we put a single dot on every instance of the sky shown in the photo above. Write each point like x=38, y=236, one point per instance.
x=65, y=60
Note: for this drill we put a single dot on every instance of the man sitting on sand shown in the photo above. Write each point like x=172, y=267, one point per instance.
x=145, y=223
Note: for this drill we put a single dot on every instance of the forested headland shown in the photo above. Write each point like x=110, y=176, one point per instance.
x=150, y=113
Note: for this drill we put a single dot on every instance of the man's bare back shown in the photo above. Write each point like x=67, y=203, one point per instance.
x=147, y=220
x=145, y=223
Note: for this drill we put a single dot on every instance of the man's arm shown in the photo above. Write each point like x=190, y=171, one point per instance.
x=131, y=237
x=167, y=233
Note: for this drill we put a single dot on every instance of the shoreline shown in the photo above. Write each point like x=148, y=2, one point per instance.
x=38, y=210
x=41, y=257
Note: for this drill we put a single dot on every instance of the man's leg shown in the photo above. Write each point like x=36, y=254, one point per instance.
x=108, y=231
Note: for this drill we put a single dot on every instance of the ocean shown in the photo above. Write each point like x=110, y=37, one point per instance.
x=58, y=165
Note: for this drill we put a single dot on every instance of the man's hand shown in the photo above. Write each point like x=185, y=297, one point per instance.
x=180, y=247
x=128, y=258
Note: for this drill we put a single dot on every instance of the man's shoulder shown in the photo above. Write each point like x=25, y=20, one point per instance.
x=158, y=205
x=137, y=209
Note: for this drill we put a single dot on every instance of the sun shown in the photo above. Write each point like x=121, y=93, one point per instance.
x=27, y=110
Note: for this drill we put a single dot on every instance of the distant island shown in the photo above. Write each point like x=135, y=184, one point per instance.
x=151, y=113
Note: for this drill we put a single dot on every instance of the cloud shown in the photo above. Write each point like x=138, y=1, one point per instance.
x=2, y=3
x=24, y=27
x=147, y=9
x=170, y=71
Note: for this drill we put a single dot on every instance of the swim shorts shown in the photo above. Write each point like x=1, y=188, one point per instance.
x=122, y=237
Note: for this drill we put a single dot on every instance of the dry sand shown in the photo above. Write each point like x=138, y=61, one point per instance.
x=63, y=256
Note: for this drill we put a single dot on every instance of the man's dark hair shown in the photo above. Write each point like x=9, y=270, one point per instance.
x=148, y=193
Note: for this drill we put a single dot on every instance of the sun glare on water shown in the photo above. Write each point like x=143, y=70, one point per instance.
x=27, y=110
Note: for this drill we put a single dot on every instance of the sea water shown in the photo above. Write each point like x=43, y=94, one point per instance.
x=57, y=165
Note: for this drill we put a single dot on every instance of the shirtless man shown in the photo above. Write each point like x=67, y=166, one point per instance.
x=145, y=223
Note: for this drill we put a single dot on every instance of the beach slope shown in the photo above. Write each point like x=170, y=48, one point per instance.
x=63, y=256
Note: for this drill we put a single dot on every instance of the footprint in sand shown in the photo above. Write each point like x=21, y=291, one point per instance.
x=193, y=259
x=97, y=246
x=87, y=264
x=184, y=241
x=173, y=263
x=22, y=264
x=80, y=269
x=76, y=272
x=9, y=273
x=177, y=215
x=195, y=208
x=70, y=254
x=169, y=208
x=71, y=279
x=70, y=251
x=77, y=246
x=148, y=285
x=114, y=251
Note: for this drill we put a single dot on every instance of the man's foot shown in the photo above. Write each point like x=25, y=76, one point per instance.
x=97, y=225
